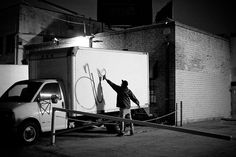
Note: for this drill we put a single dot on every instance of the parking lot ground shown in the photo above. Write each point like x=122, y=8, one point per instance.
x=147, y=142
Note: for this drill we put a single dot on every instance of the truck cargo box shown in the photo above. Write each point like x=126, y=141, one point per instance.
x=82, y=69
x=11, y=74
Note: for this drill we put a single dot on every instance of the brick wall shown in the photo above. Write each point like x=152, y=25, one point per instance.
x=202, y=74
x=233, y=57
x=158, y=41
x=186, y=65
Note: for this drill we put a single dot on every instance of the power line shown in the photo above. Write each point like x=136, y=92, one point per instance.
x=54, y=17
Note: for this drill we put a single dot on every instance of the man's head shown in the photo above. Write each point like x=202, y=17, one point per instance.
x=124, y=83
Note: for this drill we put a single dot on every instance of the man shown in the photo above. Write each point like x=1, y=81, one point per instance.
x=123, y=102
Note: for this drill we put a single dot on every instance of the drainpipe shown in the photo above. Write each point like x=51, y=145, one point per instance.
x=91, y=41
x=84, y=23
x=167, y=77
x=16, y=49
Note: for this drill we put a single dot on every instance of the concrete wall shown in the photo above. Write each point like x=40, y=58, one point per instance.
x=41, y=22
x=39, y=25
x=11, y=74
x=202, y=74
x=34, y=25
x=158, y=41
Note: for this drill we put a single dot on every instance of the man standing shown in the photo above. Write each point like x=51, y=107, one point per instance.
x=124, y=94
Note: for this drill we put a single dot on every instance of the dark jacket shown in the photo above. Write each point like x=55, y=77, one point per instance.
x=123, y=96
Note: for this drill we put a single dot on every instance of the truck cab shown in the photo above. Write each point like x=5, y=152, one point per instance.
x=27, y=107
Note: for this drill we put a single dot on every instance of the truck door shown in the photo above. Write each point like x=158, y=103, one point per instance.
x=46, y=104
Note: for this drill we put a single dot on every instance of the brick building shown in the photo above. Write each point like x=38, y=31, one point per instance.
x=24, y=23
x=186, y=65
x=233, y=73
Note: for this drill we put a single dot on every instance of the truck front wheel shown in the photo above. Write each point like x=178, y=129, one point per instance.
x=29, y=133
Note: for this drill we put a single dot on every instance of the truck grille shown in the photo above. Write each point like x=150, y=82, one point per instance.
x=7, y=118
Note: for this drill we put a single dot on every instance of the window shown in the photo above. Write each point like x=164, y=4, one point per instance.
x=50, y=89
x=10, y=44
x=21, y=92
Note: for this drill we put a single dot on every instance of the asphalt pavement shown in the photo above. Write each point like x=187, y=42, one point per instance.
x=146, y=142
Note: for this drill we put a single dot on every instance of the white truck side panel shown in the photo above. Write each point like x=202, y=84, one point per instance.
x=93, y=94
x=11, y=74
x=80, y=68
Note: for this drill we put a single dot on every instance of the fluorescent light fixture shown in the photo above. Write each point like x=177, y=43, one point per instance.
x=81, y=41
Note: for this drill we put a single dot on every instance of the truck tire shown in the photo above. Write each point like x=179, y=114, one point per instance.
x=28, y=133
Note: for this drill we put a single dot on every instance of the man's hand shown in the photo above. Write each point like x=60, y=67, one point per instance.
x=104, y=77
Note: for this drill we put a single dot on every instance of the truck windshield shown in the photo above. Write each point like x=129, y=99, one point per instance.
x=21, y=92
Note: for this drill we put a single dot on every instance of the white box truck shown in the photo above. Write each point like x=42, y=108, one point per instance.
x=67, y=76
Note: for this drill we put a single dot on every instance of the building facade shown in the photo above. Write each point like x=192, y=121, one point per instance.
x=203, y=74
x=25, y=24
x=187, y=66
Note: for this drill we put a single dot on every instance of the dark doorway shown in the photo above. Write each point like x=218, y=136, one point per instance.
x=233, y=99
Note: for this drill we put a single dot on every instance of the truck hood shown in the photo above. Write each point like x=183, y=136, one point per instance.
x=11, y=105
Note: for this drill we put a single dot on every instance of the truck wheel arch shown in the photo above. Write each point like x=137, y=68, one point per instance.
x=34, y=124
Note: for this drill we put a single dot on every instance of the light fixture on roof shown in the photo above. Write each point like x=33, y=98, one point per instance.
x=56, y=41
x=81, y=41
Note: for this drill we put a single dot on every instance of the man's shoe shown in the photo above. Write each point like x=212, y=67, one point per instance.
x=120, y=134
x=126, y=134
x=131, y=133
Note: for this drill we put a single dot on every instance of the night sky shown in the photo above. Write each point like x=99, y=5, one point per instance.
x=208, y=15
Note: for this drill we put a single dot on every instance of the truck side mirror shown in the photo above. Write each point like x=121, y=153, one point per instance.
x=43, y=97
x=55, y=99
